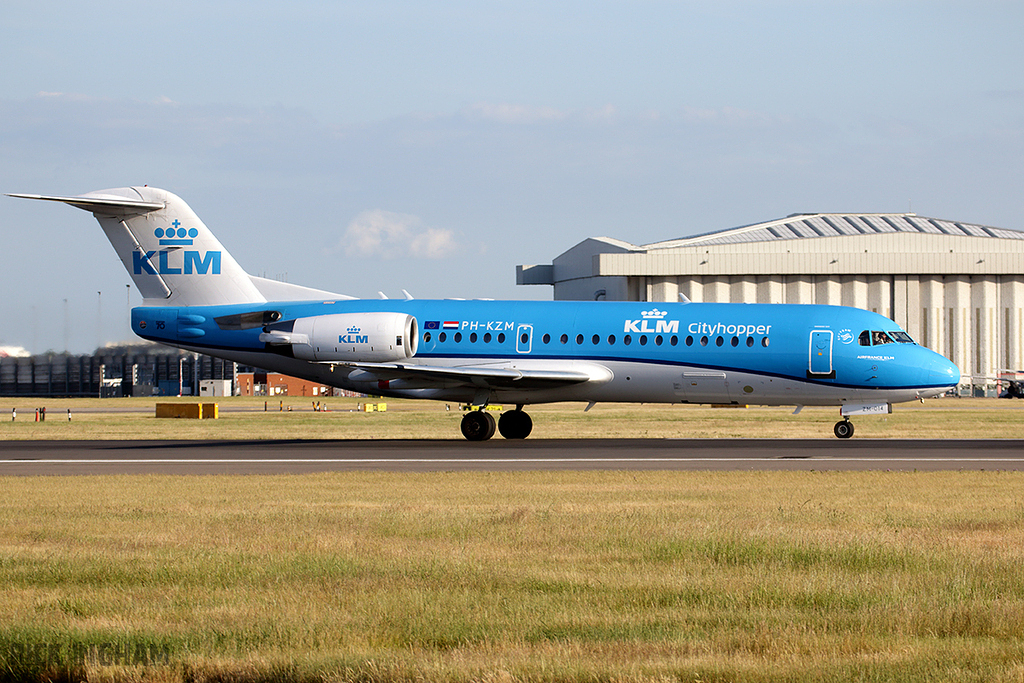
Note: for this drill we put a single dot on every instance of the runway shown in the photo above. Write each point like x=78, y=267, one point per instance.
x=26, y=458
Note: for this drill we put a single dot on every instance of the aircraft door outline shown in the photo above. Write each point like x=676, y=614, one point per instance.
x=524, y=339
x=820, y=354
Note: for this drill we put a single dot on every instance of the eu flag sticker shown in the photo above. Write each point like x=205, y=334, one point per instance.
x=432, y=325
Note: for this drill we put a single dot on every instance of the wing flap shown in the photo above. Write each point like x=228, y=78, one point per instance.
x=475, y=375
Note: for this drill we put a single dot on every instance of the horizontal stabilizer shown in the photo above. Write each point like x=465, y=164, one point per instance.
x=105, y=205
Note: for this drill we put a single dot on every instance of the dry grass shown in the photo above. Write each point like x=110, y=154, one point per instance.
x=244, y=418
x=528, y=576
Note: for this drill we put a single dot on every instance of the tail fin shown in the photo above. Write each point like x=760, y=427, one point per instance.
x=172, y=257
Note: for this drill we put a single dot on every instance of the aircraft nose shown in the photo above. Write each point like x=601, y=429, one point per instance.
x=942, y=372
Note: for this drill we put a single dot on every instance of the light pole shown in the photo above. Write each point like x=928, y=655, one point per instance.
x=128, y=309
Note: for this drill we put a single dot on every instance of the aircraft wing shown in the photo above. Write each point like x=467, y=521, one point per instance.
x=481, y=376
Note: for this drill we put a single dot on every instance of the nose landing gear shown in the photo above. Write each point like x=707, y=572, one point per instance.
x=843, y=429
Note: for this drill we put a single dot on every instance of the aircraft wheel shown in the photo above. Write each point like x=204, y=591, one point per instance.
x=843, y=429
x=515, y=424
x=478, y=425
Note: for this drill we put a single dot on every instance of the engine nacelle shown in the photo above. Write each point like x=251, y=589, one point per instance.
x=365, y=337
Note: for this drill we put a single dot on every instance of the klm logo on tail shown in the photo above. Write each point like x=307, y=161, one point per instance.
x=190, y=263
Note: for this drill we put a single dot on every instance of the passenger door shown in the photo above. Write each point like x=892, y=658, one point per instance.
x=820, y=355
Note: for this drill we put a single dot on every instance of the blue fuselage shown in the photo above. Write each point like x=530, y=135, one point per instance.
x=772, y=354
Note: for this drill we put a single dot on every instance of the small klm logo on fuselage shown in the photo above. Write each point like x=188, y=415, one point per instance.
x=661, y=326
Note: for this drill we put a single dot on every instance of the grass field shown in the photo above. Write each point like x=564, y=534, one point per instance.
x=568, y=577
x=244, y=418
x=767, y=576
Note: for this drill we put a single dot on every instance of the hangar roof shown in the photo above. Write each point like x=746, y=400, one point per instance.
x=810, y=225
x=850, y=244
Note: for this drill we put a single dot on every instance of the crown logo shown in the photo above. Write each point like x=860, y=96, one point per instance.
x=353, y=330
x=176, y=235
x=654, y=314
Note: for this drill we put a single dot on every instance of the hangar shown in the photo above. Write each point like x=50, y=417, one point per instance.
x=957, y=288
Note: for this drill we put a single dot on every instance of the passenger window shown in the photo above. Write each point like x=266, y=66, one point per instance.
x=501, y=338
x=719, y=341
x=546, y=338
x=643, y=340
x=579, y=338
x=689, y=341
x=703, y=341
x=472, y=337
x=596, y=340
x=487, y=338
x=442, y=337
x=458, y=337
x=627, y=340
x=564, y=339
x=735, y=341
x=658, y=340
x=764, y=342
x=750, y=341
x=611, y=339
x=426, y=337
x=674, y=341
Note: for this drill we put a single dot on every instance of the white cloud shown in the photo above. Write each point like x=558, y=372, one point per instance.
x=515, y=113
x=434, y=243
x=388, y=234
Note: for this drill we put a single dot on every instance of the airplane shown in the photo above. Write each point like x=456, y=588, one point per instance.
x=484, y=352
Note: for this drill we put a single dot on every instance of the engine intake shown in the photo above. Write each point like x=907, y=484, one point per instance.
x=364, y=337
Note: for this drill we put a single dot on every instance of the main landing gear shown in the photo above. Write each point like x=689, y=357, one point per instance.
x=479, y=425
x=843, y=428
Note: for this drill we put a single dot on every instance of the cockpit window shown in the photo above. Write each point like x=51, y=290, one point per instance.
x=901, y=336
x=878, y=337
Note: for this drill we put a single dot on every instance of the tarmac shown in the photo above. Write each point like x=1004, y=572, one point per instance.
x=254, y=457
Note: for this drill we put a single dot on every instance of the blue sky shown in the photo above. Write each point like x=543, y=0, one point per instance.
x=360, y=147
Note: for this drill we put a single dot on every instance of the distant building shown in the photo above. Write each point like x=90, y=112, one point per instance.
x=262, y=383
x=957, y=288
x=146, y=370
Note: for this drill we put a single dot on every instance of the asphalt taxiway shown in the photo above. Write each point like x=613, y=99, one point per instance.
x=304, y=456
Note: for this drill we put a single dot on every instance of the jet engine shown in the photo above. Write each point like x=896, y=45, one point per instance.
x=361, y=337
